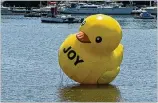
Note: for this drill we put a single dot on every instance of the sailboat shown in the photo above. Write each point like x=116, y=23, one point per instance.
x=151, y=9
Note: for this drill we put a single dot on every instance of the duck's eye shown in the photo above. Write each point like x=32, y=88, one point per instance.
x=83, y=23
x=98, y=39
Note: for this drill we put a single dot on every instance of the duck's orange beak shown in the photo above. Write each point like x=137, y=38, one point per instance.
x=82, y=37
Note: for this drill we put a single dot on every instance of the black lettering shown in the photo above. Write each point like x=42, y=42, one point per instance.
x=71, y=56
x=66, y=50
x=78, y=60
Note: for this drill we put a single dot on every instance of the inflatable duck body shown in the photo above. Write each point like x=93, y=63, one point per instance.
x=94, y=54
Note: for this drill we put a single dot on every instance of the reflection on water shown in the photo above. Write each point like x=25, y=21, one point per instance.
x=90, y=93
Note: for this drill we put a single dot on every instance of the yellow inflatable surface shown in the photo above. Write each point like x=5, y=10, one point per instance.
x=94, y=54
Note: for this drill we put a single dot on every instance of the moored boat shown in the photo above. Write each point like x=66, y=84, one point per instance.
x=152, y=10
x=145, y=15
x=52, y=16
x=84, y=8
x=61, y=19
x=5, y=11
x=32, y=14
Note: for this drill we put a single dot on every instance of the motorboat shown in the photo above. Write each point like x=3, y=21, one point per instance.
x=52, y=16
x=145, y=15
x=6, y=11
x=32, y=14
x=61, y=19
x=84, y=8
x=152, y=10
x=137, y=10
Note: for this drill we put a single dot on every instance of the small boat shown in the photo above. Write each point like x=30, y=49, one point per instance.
x=61, y=19
x=32, y=14
x=152, y=10
x=144, y=15
x=52, y=16
x=5, y=11
x=138, y=11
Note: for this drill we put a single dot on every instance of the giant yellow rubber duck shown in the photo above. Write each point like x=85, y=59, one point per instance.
x=94, y=54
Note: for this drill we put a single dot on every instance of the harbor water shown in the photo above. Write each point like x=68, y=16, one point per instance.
x=30, y=71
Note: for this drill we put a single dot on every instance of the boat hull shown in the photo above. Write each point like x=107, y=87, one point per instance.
x=110, y=11
x=32, y=15
x=51, y=20
x=154, y=12
x=144, y=17
x=5, y=12
x=58, y=20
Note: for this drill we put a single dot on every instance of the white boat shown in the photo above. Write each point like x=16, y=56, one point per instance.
x=152, y=10
x=137, y=10
x=83, y=8
x=5, y=11
x=145, y=15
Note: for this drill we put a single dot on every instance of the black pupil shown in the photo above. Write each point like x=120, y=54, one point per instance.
x=98, y=39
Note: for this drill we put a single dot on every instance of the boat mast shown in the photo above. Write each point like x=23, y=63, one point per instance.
x=150, y=3
x=40, y=4
x=131, y=2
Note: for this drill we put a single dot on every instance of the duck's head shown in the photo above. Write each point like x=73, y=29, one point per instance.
x=100, y=33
